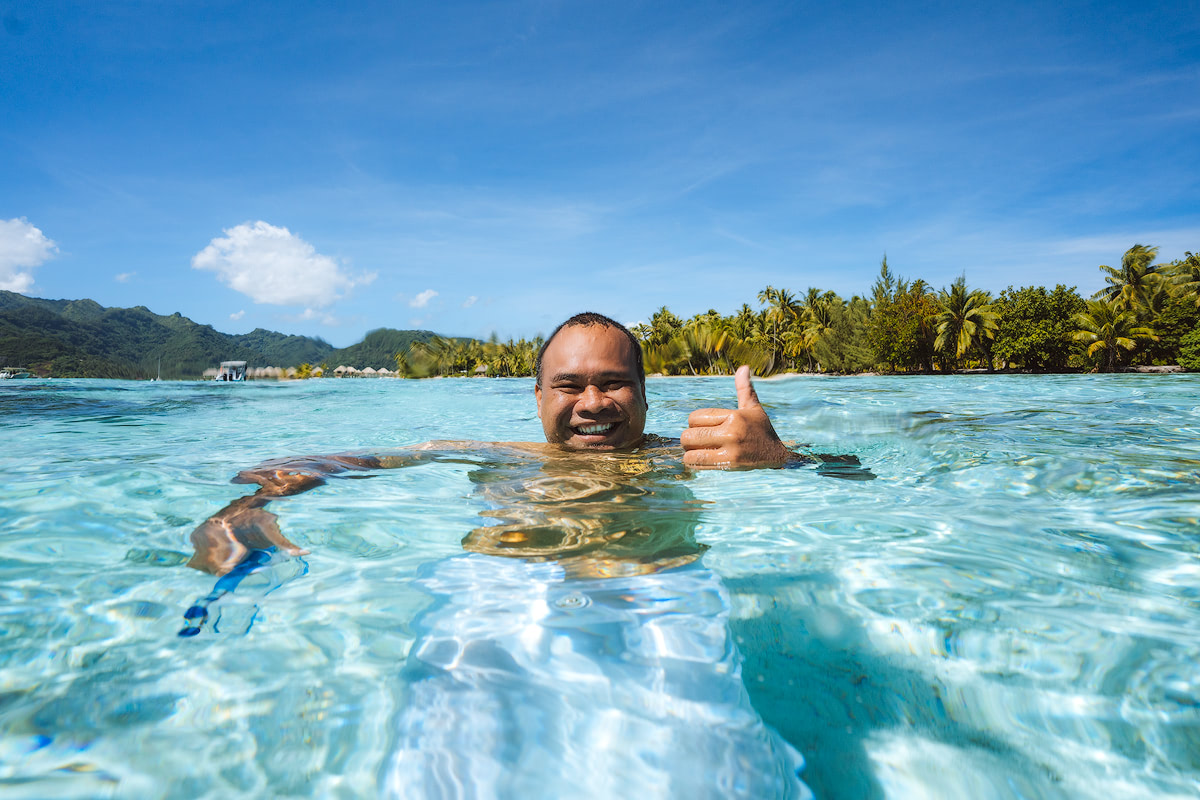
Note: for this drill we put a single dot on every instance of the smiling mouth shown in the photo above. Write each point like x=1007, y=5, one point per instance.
x=595, y=429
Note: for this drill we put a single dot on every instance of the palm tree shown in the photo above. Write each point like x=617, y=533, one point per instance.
x=819, y=318
x=783, y=310
x=742, y=325
x=1185, y=276
x=1129, y=285
x=965, y=320
x=663, y=326
x=1108, y=328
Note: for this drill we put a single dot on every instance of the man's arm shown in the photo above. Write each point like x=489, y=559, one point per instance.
x=222, y=541
x=741, y=437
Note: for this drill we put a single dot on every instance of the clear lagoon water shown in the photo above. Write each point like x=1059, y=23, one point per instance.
x=1010, y=609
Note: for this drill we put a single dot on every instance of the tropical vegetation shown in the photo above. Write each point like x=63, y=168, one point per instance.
x=1144, y=315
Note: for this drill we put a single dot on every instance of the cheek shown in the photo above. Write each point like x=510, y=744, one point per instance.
x=553, y=408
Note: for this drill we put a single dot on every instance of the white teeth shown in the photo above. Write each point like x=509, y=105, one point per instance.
x=589, y=430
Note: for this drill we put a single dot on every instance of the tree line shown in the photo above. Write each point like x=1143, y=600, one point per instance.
x=1147, y=314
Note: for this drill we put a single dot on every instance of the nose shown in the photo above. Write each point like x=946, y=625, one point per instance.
x=592, y=399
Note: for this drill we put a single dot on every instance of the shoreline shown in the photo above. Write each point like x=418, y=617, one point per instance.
x=1163, y=369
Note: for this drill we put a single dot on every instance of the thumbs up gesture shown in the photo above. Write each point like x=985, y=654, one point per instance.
x=727, y=437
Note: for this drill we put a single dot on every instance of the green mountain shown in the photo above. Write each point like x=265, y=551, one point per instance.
x=83, y=339
x=378, y=349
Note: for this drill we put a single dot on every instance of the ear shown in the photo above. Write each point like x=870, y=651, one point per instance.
x=537, y=393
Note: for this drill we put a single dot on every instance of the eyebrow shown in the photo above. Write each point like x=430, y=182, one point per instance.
x=601, y=377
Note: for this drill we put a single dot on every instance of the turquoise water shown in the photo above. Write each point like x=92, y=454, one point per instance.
x=1010, y=609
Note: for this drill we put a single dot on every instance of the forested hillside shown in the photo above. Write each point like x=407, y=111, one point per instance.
x=81, y=338
x=377, y=350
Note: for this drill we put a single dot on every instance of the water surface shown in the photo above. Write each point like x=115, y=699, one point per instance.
x=1010, y=609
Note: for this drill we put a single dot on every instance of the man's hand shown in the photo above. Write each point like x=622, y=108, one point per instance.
x=223, y=540
x=741, y=437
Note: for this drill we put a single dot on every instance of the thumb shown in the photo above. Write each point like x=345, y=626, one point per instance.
x=747, y=397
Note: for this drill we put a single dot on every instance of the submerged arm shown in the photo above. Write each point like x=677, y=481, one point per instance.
x=223, y=540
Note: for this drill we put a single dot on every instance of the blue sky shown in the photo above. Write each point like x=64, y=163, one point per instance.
x=328, y=169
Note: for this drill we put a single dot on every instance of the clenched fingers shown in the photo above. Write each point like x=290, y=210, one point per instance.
x=697, y=438
x=708, y=417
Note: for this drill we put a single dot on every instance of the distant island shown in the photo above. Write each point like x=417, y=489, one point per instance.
x=83, y=339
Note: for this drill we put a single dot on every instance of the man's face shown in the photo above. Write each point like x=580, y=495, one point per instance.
x=590, y=396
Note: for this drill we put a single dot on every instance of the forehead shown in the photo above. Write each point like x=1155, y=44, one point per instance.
x=589, y=349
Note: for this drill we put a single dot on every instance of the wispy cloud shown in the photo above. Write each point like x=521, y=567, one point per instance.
x=270, y=264
x=315, y=315
x=123, y=277
x=1171, y=243
x=422, y=300
x=22, y=248
x=237, y=315
x=470, y=301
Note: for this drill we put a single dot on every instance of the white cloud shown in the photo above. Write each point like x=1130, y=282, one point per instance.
x=269, y=264
x=238, y=314
x=124, y=277
x=313, y=315
x=422, y=300
x=22, y=247
x=470, y=301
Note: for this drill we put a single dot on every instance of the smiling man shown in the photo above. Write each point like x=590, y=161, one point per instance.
x=591, y=398
x=591, y=395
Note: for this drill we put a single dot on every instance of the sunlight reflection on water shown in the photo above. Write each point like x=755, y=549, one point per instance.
x=1010, y=609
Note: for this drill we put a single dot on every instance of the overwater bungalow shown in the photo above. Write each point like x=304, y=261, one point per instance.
x=231, y=371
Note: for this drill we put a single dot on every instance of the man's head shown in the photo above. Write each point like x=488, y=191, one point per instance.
x=591, y=385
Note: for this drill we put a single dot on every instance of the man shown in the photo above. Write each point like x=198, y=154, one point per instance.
x=591, y=398
x=594, y=658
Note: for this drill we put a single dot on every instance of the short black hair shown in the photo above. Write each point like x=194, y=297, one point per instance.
x=586, y=319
